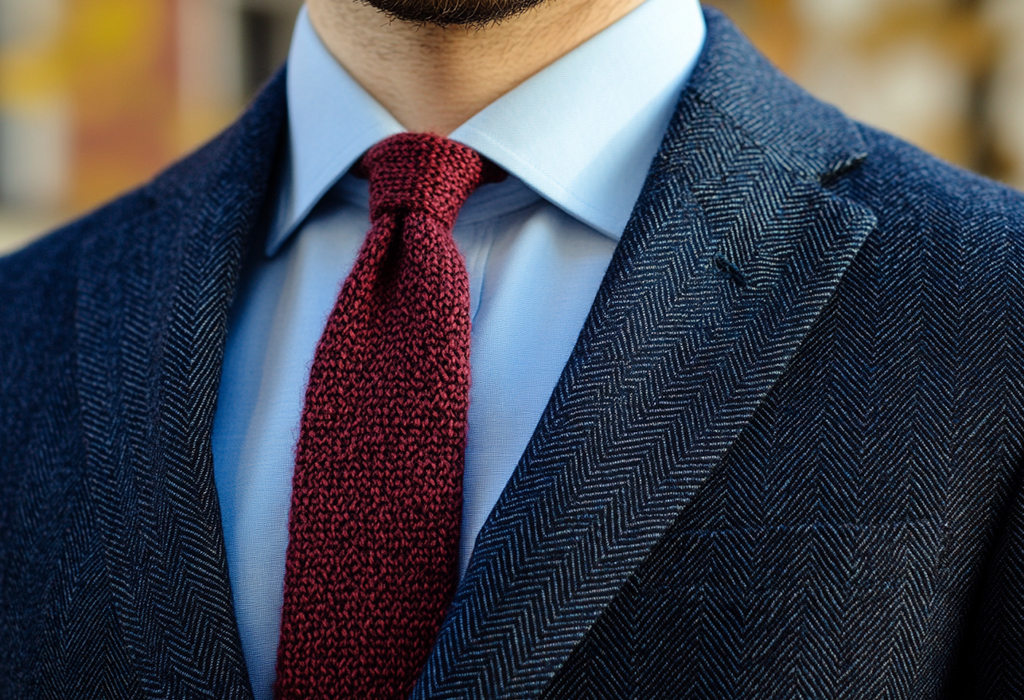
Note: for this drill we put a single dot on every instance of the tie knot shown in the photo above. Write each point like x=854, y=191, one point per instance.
x=424, y=172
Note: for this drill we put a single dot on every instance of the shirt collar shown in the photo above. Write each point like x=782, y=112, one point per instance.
x=581, y=133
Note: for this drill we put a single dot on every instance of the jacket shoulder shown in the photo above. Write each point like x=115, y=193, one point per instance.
x=132, y=243
x=909, y=188
x=128, y=238
x=38, y=281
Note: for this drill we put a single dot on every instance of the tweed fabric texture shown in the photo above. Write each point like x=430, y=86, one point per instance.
x=377, y=489
x=785, y=458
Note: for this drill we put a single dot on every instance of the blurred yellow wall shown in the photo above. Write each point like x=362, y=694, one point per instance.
x=87, y=102
x=927, y=70
x=120, y=63
x=98, y=95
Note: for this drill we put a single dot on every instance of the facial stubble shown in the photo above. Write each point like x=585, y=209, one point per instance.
x=444, y=13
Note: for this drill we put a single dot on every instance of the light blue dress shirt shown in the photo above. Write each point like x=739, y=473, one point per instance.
x=577, y=139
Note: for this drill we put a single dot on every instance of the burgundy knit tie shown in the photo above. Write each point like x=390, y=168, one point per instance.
x=377, y=491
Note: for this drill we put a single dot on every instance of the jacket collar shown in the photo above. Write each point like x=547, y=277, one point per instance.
x=736, y=244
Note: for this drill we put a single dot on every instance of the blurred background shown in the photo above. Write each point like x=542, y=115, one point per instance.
x=98, y=95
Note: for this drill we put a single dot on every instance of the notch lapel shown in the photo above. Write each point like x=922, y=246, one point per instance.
x=736, y=244
x=152, y=314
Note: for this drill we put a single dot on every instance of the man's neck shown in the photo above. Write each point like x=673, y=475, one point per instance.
x=434, y=79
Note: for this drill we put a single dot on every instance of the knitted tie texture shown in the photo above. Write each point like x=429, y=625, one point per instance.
x=377, y=490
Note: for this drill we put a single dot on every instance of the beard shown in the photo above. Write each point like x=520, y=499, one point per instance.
x=445, y=13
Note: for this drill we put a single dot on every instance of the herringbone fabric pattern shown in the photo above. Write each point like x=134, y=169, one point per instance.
x=784, y=459
x=377, y=491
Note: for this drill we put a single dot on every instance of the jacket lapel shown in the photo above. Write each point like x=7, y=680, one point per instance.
x=153, y=301
x=735, y=246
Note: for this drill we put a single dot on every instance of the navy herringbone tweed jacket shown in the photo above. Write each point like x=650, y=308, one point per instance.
x=783, y=461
